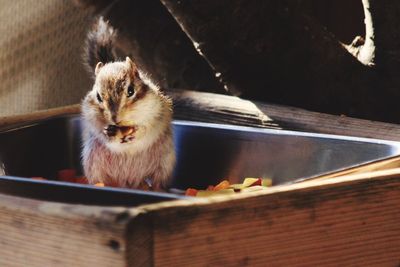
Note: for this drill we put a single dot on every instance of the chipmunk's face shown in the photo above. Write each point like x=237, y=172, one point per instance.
x=120, y=103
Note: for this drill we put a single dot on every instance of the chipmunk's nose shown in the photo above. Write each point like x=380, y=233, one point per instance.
x=113, y=107
x=110, y=130
x=114, y=118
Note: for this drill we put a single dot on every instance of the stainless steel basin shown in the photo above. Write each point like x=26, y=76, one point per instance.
x=206, y=154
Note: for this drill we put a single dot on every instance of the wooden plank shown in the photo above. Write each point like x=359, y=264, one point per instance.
x=209, y=107
x=217, y=108
x=7, y=121
x=339, y=222
x=139, y=239
x=303, y=120
x=386, y=164
x=37, y=233
x=342, y=221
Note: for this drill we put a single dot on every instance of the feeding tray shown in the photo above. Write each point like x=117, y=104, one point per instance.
x=290, y=220
x=206, y=154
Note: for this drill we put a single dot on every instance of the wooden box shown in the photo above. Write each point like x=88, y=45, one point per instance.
x=352, y=219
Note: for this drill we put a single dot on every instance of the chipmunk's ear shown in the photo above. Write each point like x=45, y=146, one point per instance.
x=130, y=63
x=132, y=66
x=98, y=67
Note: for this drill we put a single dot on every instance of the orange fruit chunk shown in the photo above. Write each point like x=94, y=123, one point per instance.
x=222, y=185
x=191, y=192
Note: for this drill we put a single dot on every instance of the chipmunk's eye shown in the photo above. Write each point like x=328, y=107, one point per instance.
x=131, y=91
x=99, y=98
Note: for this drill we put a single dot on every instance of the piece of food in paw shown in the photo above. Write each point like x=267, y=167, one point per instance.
x=127, y=130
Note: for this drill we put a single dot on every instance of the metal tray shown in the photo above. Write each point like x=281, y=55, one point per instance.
x=206, y=154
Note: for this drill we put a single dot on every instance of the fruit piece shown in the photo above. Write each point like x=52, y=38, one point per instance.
x=249, y=185
x=251, y=182
x=191, y=192
x=267, y=182
x=258, y=182
x=99, y=184
x=127, y=130
x=222, y=185
x=67, y=175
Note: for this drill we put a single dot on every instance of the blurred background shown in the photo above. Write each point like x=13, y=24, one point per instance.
x=40, y=54
x=41, y=45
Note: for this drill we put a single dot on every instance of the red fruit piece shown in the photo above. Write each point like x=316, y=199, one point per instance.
x=67, y=175
x=191, y=192
x=258, y=182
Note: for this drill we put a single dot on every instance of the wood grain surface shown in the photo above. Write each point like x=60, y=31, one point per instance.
x=38, y=233
x=292, y=118
x=349, y=221
x=344, y=221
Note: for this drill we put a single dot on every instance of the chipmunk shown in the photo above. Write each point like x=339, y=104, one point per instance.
x=126, y=120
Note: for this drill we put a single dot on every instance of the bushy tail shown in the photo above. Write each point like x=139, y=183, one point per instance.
x=100, y=44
